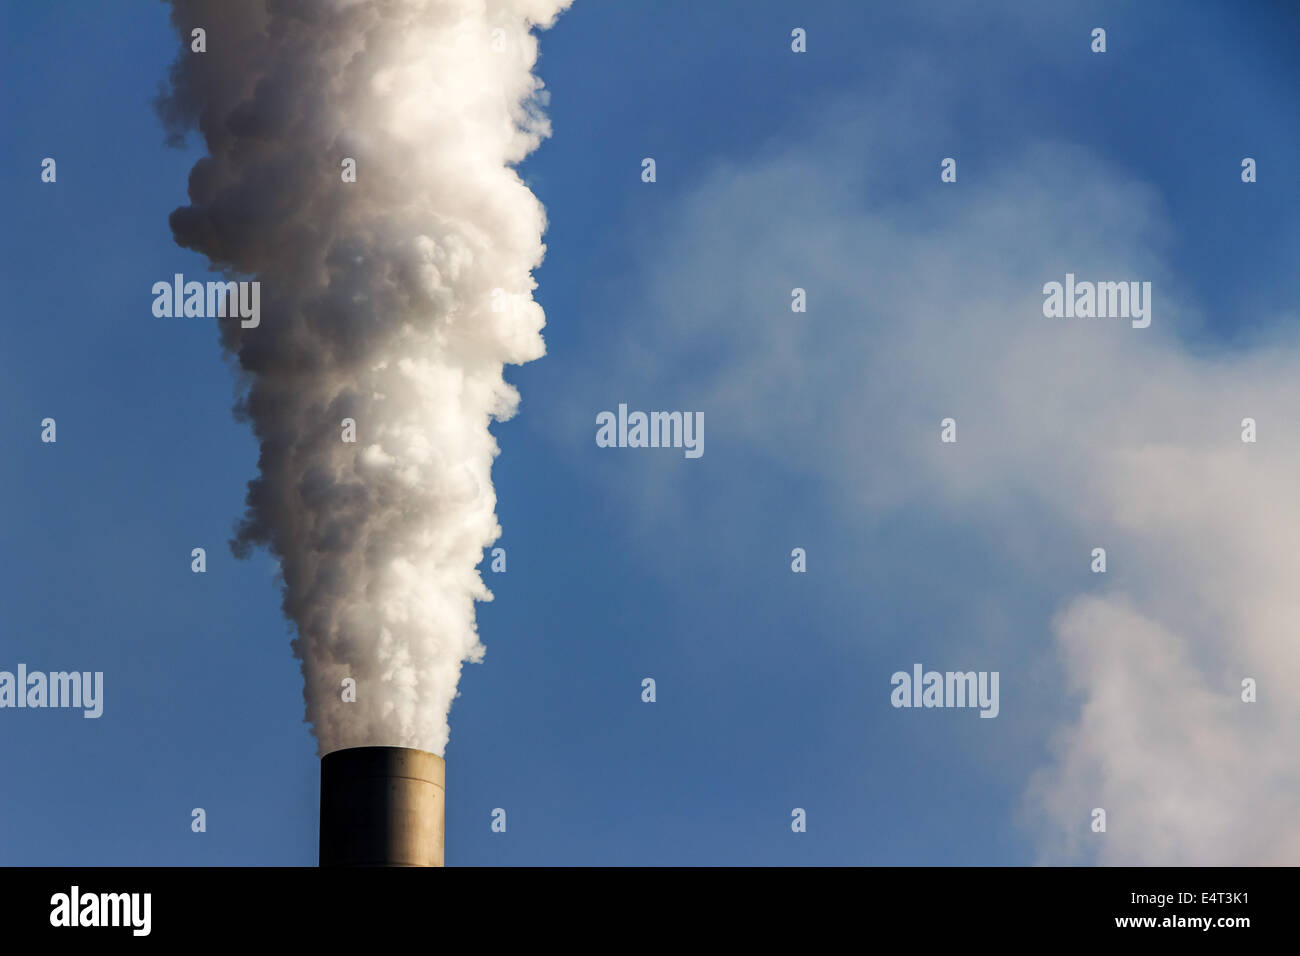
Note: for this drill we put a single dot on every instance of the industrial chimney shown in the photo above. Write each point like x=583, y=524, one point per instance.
x=381, y=806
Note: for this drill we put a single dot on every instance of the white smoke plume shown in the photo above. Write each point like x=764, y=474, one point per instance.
x=378, y=306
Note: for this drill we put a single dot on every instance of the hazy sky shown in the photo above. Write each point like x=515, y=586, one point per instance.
x=775, y=170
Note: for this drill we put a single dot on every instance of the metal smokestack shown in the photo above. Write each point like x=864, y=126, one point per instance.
x=381, y=806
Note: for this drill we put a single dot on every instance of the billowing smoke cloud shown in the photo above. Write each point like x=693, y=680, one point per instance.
x=393, y=301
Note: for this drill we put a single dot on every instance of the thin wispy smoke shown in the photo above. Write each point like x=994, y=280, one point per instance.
x=378, y=306
x=1121, y=691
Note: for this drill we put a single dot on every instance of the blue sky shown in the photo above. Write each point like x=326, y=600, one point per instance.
x=775, y=170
